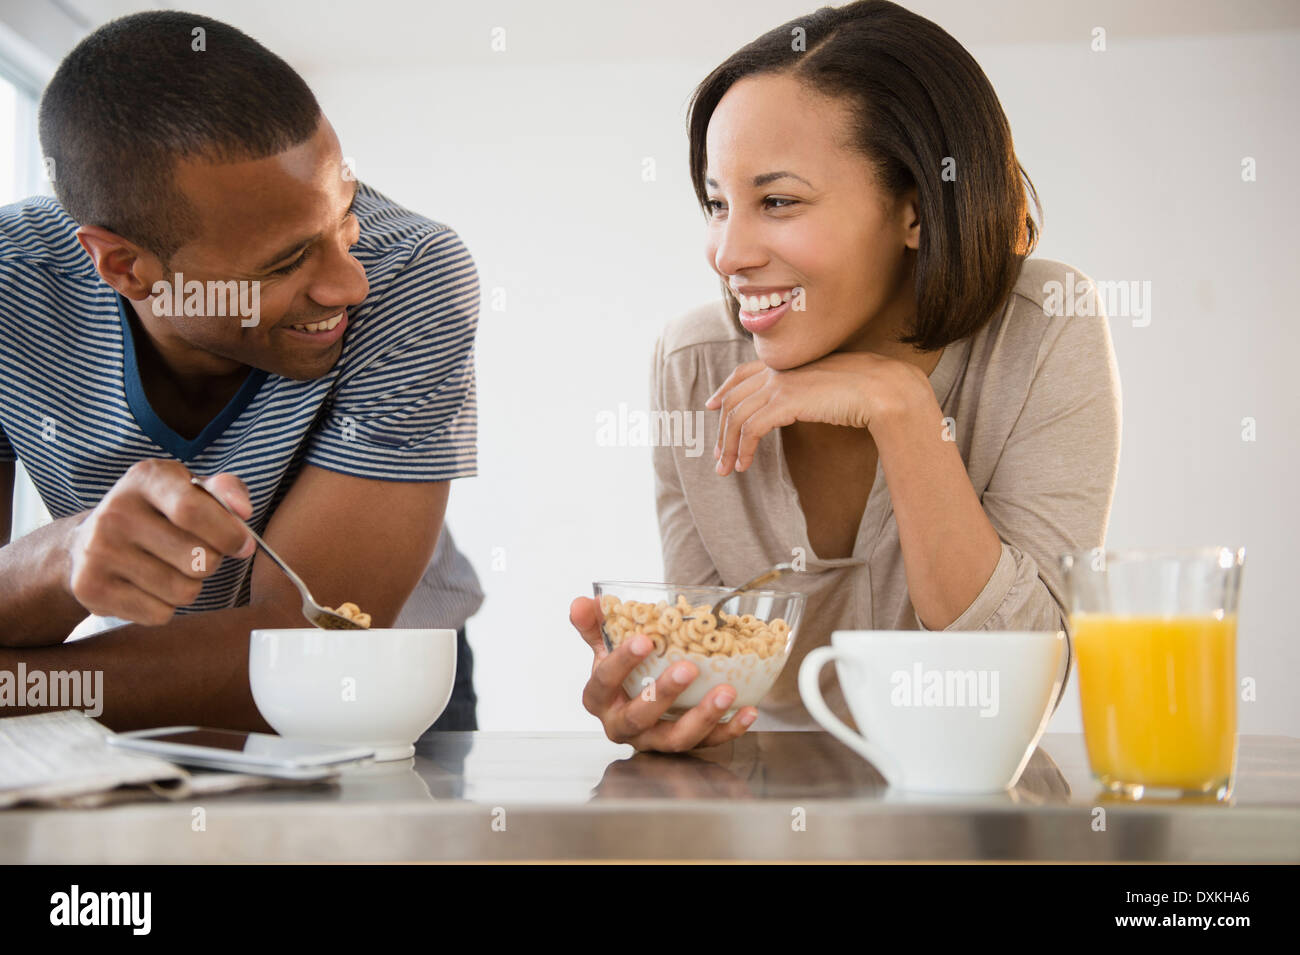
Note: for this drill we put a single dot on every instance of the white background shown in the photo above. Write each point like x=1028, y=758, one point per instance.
x=536, y=156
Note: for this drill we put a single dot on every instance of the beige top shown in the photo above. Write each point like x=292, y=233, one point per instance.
x=1035, y=402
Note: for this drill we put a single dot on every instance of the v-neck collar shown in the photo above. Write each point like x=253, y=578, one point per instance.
x=182, y=449
x=942, y=379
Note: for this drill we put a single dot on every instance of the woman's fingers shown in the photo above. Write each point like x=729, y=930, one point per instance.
x=739, y=374
x=604, y=689
x=776, y=413
x=733, y=728
x=694, y=727
x=737, y=405
x=584, y=614
x=630, y=722
x=735, y=425
x=727, y=397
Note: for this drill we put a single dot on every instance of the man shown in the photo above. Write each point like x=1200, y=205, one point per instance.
x=214, y=294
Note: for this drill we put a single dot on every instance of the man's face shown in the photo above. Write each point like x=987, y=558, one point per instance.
x=282, y=228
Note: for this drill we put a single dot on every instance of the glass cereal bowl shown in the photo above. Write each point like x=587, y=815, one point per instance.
x=745, y=647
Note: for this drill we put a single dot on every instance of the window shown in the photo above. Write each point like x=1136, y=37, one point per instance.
x=21, y=170
x=22, y=174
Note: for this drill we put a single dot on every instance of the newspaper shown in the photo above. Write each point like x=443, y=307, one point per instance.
x=64, y=759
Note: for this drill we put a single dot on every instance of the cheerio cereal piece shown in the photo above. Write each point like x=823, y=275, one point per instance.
x=350, y=611
x=725, y=636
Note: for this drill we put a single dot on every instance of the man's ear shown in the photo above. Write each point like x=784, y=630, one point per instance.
x=122, y=264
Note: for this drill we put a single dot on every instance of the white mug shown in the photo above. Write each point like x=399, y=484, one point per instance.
x=941, y=711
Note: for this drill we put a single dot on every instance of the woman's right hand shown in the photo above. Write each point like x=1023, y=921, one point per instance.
x=635, y=720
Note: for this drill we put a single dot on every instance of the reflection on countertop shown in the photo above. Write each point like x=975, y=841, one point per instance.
x=575, y=768
x=768, y=795
x=795, y=765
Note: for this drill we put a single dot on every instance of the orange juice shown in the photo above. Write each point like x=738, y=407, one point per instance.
x=1159, y=698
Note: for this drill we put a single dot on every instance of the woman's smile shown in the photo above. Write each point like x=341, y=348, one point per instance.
x=761, y=309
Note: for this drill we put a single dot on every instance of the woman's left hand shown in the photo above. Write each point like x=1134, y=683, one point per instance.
x=852, y=389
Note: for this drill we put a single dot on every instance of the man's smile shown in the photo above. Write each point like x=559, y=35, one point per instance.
x=323, y=332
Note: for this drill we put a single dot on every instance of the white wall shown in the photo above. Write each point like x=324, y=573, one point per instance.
x=536, y=156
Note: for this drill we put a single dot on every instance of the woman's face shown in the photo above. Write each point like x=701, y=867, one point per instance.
x=794, y=206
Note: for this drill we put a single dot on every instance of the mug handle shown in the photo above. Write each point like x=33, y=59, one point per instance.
x=811, y=691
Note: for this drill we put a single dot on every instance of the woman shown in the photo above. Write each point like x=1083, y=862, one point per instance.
x=897, y=412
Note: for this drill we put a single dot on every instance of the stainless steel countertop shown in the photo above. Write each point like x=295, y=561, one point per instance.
x=768, y=795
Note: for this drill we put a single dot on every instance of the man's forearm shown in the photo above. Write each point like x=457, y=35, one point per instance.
x=36, y=606
x=193, y=670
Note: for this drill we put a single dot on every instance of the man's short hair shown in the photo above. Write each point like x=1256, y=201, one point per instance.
x=146, y=90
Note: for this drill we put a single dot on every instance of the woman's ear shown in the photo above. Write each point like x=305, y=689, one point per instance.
x=910, y=219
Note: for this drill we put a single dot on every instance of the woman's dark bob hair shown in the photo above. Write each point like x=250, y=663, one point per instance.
x=919, y=99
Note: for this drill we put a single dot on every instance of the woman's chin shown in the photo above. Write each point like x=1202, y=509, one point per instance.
x=783, y=356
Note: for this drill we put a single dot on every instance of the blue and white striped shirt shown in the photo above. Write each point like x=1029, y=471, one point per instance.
x=399, y=404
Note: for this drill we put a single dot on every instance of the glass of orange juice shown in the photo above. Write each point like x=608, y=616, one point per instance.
x=1155, y=635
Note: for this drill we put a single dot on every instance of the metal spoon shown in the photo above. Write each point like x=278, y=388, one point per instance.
x=314, y=612
x=778, y=571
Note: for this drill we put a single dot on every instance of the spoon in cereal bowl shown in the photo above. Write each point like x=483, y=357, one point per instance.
x=319, y=616
x=766, y=577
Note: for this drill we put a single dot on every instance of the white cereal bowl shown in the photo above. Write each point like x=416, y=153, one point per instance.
x=377, y=688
